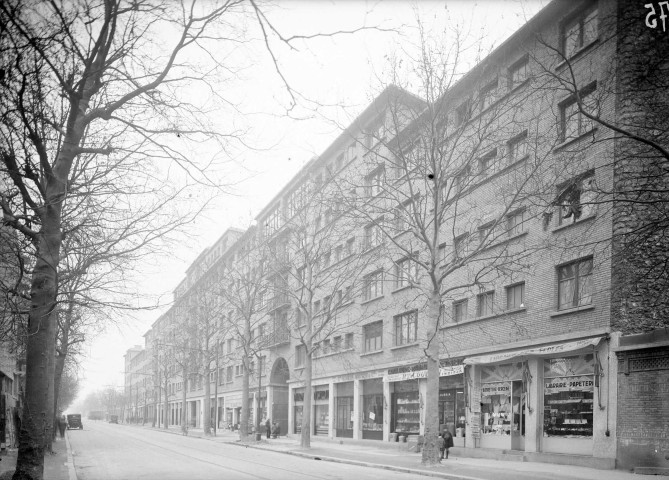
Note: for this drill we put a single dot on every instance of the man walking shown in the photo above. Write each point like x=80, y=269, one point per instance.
x=268, y=428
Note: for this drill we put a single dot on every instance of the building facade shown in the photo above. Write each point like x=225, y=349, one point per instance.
x=496, y=196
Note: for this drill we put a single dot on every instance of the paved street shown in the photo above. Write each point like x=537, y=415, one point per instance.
x=108, y=452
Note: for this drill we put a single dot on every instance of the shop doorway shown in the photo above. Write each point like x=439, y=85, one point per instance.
x=278, y=382
x=344, y=419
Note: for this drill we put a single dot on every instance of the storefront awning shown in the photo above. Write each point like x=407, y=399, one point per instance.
x=532, y=352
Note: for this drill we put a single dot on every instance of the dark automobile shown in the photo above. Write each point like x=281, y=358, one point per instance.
x=113, y=419
x=74, y=421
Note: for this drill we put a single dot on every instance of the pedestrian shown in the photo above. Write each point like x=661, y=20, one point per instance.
x=268, y=428
x=448, y=441
x=62, y=424
x=441, y=443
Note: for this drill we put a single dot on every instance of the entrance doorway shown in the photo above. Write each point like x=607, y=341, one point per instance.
x=278, y=382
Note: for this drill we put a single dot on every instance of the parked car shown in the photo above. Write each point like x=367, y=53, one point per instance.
x=74, y=421
x=113, y=419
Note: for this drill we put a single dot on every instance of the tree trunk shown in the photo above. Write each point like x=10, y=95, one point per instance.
x=38, y=414
x=243, y=428
x=431, y=452
x=184, y=410
x=305, y=437
x=206, y=403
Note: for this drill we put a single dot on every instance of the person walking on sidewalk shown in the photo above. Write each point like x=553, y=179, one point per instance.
x=268, y=428
x=441, y=443
x=62, y=424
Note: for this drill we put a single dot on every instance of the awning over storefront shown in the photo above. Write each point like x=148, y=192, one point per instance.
x=532, y=352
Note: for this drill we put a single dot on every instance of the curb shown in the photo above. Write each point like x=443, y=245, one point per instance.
x=70, y=460
x=358, y=463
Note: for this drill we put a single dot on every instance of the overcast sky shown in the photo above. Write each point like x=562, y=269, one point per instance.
x=346, y=71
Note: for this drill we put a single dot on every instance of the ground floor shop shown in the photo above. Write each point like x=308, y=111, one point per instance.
x=554, y=399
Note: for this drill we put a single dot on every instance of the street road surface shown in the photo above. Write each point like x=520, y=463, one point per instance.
x=104, y=451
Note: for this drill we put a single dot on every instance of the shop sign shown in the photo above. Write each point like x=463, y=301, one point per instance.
x=582, y=383
x=547, y=350
x=498, y=388
x=412, y=375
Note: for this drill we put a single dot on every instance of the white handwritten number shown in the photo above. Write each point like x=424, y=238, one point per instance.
x=650, y=22
x=663, y=15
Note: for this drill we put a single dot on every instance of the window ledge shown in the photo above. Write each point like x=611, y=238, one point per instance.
x=578, y=53
x=397, y=290
x=407, y=345
x=583, y=308
x=371, y=300
x=337, y=352
x=577, y=222
x=566, y=143
x=299, y=368
x=375, y=352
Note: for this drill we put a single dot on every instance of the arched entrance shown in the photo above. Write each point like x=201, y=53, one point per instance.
x=278, y=382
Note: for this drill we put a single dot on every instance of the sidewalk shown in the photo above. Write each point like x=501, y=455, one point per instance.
x=55, y=466
x=391, y=456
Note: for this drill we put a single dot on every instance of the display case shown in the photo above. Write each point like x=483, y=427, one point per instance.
x=568, y=415
x=406, y=413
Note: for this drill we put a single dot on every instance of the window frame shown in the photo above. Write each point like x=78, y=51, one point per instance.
x=485, y=304
x=464, y=303
x=580, y=22
x=372, y=285
x=520, y=65
x=570, y=202
x=405, y=323
x=512, y=148
x=510, y=291
x=406, y=272
x=573, y=123
x=376, y=328
x=578, y=278
x=513, y=227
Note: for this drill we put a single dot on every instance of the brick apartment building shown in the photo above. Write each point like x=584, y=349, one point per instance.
x=500, y=194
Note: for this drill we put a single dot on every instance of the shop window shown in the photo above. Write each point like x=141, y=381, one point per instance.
x=484, y=304
x=515, y=296
x=406, y=413
x=569, y=396
x=372, y=423
x=575, y=284
x=406, y=328
x=502, y=408
x=373, y=334
x=579, y=32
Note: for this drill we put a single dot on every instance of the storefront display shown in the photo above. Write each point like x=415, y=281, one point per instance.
x=298, y=398
x=496, y=415
x=372, y=409
x=406, y=413
x=321, y=411
x=569, y=396
x=452, y=411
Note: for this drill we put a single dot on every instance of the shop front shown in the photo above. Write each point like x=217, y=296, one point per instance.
x=452, y=408
x=502, y=399
x=406, y=411
x=372, y=409
x=569, y=386
x=321, y=411
x=344, y=412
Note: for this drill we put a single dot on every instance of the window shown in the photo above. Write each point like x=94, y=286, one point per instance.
x=374, y=182
x=487, y=163
x=517, y=148
x=336, y=344
x=348, y=341
x=373, y=234
x=576, y=199
x=515, y=296
x=297, y=199
x=373, y=334
x=484, y=304
x=300, y=356
x=406, y=328
x=462, y=179
x=272, y=221
x=485, y=232
x=460, y=246
x=339, y=253
x=575, y=284
x=518, y=73
x=488, y=95
x=228, y=348
x=573, y=122
x=317, y=307
x=317, y=224
x=463, y=113
x=339, y=164
x=325, y=346
x=350, y=246
x=406, y=272
x=373, y=285
x=579, y=32
x=515, y=222
x=350, y=152
x=326, y=259
x=460, y=310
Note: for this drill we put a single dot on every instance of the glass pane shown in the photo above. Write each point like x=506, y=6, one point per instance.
x=590, y=28
x=571, y=39
x=566, y=294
